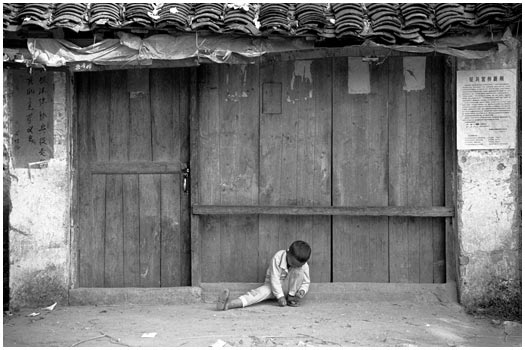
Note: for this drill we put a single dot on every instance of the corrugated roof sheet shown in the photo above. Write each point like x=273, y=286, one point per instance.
x=386, y=23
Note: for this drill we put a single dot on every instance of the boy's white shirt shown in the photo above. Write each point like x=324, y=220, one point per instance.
x=278, y=270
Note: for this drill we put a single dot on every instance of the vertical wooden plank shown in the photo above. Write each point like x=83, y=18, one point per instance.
x=194, y=156
x=377, y=183
x=114, y=253
x=295, y=86
x=206, y=136
x=164, y=115
x=398, y=239
x=99, y=223
x=149, y=219
x=170, y=244
x=131, y=258
x=139, y=107
x=342, y=173
x=119, y=117
x=355, y=154
x=85, y=262
x=426, y=175
x=164, y=88
x=130, y=183
x=320, y=130
x=100, y=110
x=450, y=168
x=118, y=151
x=270, y=168
x=248, y=166
x=438, y=161
x=194, y=153
x=184, y=135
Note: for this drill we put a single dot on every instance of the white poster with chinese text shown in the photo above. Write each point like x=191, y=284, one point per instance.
x=486, y=109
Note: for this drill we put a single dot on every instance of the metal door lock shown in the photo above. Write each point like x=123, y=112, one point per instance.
x=185, y=179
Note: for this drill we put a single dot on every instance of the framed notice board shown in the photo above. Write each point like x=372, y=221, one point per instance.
x=32, y=119
x=486, y=109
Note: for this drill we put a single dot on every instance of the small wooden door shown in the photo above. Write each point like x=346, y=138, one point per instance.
x=133, y=209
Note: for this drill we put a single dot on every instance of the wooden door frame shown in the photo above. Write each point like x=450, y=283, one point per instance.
x=73, y=146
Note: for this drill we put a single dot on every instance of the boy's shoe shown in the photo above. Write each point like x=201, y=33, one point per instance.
x=222, y=300
x=292, y=300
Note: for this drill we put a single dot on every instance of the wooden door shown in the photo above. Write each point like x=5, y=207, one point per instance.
x=133, y=210
x=302, y=133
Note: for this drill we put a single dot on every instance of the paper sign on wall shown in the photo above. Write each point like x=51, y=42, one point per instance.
x=486, y=109
x=414, y=73
x=358, y=76
x=32, y=119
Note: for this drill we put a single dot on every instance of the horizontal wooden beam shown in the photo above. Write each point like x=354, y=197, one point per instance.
x=135, y=168
x=319, y=210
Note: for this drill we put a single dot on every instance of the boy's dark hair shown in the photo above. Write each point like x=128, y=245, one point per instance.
x=300, y=250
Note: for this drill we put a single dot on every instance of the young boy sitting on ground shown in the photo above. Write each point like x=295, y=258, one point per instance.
x=288, y=274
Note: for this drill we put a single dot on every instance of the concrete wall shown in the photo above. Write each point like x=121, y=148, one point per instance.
x=489, y=206
x=40, y=216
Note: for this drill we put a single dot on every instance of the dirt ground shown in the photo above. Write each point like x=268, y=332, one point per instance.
x=318, y=324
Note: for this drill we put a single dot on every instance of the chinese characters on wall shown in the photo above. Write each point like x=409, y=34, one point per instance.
x=32, y=122
x=486, y=109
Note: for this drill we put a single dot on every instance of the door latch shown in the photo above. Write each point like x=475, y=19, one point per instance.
x=185, y=179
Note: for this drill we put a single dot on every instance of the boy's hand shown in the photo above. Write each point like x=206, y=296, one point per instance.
x=282, y=301
x=300, y=294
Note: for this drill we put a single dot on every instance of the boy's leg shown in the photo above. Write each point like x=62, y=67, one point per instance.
x=252, y=297
x=256, y=295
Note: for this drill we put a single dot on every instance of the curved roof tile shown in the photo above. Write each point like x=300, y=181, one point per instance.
x=389, y=23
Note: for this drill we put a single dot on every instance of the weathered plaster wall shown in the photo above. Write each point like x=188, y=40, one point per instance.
x=40, y=216
x=489, y=206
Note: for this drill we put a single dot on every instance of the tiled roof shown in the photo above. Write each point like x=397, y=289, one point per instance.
x=386, y=23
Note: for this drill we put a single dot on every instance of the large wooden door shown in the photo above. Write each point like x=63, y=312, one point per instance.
x=303, y=133
x=133, y=210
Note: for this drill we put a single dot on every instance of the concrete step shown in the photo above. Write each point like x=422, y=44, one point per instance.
x=136, y=296
x=375, y=292
x=208, y=292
